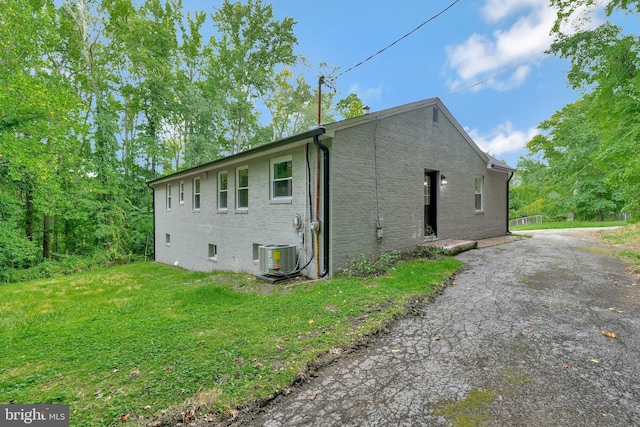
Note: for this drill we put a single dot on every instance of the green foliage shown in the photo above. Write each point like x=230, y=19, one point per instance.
x=554, y=225
x=363, y=266
x=248, y=46
x=585, y=165
x=96, y=340
x=562, y=176
x=16, y=252
x=350, y=107
x=605, y=64
x=101, y=97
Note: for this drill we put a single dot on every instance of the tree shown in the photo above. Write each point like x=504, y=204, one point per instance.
x=605, y=63
x=293, y=103
x=197, y=115
x=351, y=106
x=250, y=44
x=572, y=172
x=39, y=119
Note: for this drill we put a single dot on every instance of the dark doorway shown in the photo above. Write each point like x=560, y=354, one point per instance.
x=430, y=203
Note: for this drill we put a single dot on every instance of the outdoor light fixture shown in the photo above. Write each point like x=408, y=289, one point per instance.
x=443, y=180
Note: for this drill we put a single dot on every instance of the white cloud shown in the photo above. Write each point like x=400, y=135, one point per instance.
x=366, y=95
x=495, y=10
x=502, y=139
x=504, y=59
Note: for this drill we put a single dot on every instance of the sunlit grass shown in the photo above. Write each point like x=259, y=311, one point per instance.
x=627, y=241
x=137, y=339
x=567, y=224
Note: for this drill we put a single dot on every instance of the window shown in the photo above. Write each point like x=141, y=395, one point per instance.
x=223, y=190
x=281, y=178
x=479, y=191
x=196, y=194
x=242, y=184
x=435, y=115
x=256, y=251
x=167, y=239
x=168, y=197
x=181, y=195
x=213, y=252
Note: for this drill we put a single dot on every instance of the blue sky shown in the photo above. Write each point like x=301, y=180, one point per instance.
x=498, y=42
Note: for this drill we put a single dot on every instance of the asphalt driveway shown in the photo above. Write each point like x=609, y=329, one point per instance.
x=518, y=340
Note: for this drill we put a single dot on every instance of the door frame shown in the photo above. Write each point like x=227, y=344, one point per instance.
x=430, y=214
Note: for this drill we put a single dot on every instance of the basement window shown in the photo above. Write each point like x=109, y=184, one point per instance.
x=256, y=252
x=213, y=252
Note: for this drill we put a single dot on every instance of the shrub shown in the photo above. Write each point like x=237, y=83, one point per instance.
x=62, y=265
x=16, y=252
x=363, y=266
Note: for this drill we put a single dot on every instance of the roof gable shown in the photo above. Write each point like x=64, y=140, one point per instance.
x=331, y=128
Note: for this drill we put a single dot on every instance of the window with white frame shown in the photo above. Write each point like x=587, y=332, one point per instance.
x=281, y=178
x=196, y=194
x=242, y=186
x=479, y=184
x=168, y=197
x=223, y=190
x=181, y=195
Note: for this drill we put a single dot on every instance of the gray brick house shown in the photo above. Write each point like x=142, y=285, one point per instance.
x=382, y=181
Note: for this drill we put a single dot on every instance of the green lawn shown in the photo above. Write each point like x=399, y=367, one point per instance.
x=567, y=224
x=134, y=340
x=627, y=242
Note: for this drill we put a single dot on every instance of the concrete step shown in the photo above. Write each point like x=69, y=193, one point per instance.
x=453, y=247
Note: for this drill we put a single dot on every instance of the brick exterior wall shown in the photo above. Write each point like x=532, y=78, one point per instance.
x=234, y=232
x=388, y=157
x=377, y=167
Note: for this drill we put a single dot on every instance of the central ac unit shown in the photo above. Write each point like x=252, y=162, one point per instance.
x=275, y=259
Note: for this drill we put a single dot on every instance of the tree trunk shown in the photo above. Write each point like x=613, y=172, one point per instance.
x=55, y=234
x=29, y=214
x=239, y=136
x=46, y=236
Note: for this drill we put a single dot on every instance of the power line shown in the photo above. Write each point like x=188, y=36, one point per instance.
x=398, y=40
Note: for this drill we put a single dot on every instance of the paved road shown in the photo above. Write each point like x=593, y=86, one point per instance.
x=516, y=341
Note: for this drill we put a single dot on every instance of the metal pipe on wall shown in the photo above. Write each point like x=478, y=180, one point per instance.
x=325, y=204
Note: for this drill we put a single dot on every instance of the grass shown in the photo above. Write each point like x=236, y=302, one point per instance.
x=470, y=412
x=135, y=341
x=626, y=241
x=567, y=224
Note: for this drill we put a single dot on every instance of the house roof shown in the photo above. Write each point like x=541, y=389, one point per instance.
x=498, y=165
x=243, y=155
x=331, y=128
